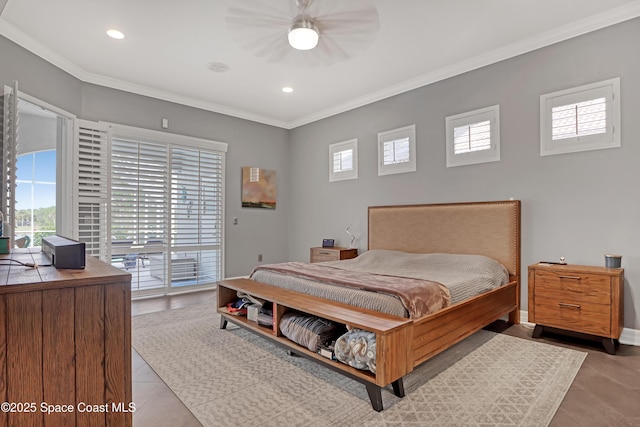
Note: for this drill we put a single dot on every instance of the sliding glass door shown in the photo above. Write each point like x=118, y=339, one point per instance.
x=151, y=203
x=166, y=214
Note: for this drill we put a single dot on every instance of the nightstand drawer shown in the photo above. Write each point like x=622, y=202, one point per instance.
x=574, y=286
x=332, y=254
x=573, y=314
x=322, y=255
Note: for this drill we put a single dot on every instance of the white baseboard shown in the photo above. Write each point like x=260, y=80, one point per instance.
x=629, y=336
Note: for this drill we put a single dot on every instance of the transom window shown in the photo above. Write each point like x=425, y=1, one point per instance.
x=343, y=160
x=473, y=137
x=397, y=151
x=581, y=118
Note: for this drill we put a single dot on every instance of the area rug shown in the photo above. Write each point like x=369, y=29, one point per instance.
x=233, y=377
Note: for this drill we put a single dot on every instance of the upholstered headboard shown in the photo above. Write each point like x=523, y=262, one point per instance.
x=483, y=228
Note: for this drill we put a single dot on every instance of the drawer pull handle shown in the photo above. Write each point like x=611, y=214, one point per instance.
x=565, y=305
x=570, y=277
x=324, y=253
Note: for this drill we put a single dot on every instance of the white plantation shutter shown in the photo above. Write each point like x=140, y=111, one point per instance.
x=473, y=137
x=343, y=160
x=91, y=152
x=151, y=203
x=581, y=118
x=196, y=213
x=139, y=183
x=139, y=210
x=8, y=147
x=397, y=151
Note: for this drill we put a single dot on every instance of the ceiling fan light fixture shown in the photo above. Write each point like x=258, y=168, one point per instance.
x=303, y=35
x=115, y=34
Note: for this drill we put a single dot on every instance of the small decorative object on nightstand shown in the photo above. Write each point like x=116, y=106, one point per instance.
x=332, y=254
x=577, y=298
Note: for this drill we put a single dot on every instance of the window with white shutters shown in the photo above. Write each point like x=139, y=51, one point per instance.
x=343, y=160
x=139, y=182
x=580, y=119
x=473, y=137
x=156, y=200
x=91, y=153
x=397, y=151
x=196, y=214
x=8, y=132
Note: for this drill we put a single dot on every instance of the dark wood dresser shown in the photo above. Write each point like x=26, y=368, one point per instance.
x=65, y=344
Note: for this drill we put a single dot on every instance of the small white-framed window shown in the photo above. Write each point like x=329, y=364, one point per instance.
x=473, y=137
x=397, y=150
x=343, y=160
x=581, y=118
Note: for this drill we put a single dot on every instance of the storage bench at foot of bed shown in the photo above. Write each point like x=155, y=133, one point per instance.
x=393, y=334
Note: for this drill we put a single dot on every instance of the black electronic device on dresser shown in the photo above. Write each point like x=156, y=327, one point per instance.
x=327, y=243
x=64, y=252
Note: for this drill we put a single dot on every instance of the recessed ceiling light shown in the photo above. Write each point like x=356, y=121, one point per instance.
x=115, y=34
x=219, y=67
x=287, y=89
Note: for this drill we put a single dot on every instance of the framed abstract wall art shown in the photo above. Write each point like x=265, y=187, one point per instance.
x=258, y=188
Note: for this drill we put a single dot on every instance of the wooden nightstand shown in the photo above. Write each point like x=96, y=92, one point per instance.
x=578, y=298
x=332, y=254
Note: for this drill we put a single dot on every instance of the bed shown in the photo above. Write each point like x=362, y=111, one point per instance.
x=490, y=229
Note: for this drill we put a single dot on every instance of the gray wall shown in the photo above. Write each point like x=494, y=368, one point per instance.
x=580, y=205
x=249, y=144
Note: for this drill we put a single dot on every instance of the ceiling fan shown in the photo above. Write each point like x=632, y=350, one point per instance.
x=312, y=32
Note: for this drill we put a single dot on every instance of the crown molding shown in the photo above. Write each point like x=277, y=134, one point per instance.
x=34, y=46
x=611, y=17
x=179, y=99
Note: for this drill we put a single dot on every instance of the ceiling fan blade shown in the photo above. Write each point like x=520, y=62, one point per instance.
x=353, y=21
x=262, y=21
x=346, y=27
x=262, y=26
x=273, y=46
x=260, y=7
x=351, y=10
x=251, y=19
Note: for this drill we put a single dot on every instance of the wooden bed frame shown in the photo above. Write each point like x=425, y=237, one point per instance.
x=483, y=228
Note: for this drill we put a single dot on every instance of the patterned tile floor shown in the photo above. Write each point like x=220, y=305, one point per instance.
x=604, y=393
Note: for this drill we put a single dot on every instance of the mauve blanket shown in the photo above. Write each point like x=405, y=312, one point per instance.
x=419, y=296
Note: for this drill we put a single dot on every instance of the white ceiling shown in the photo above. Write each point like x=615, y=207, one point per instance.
x=169, y=45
